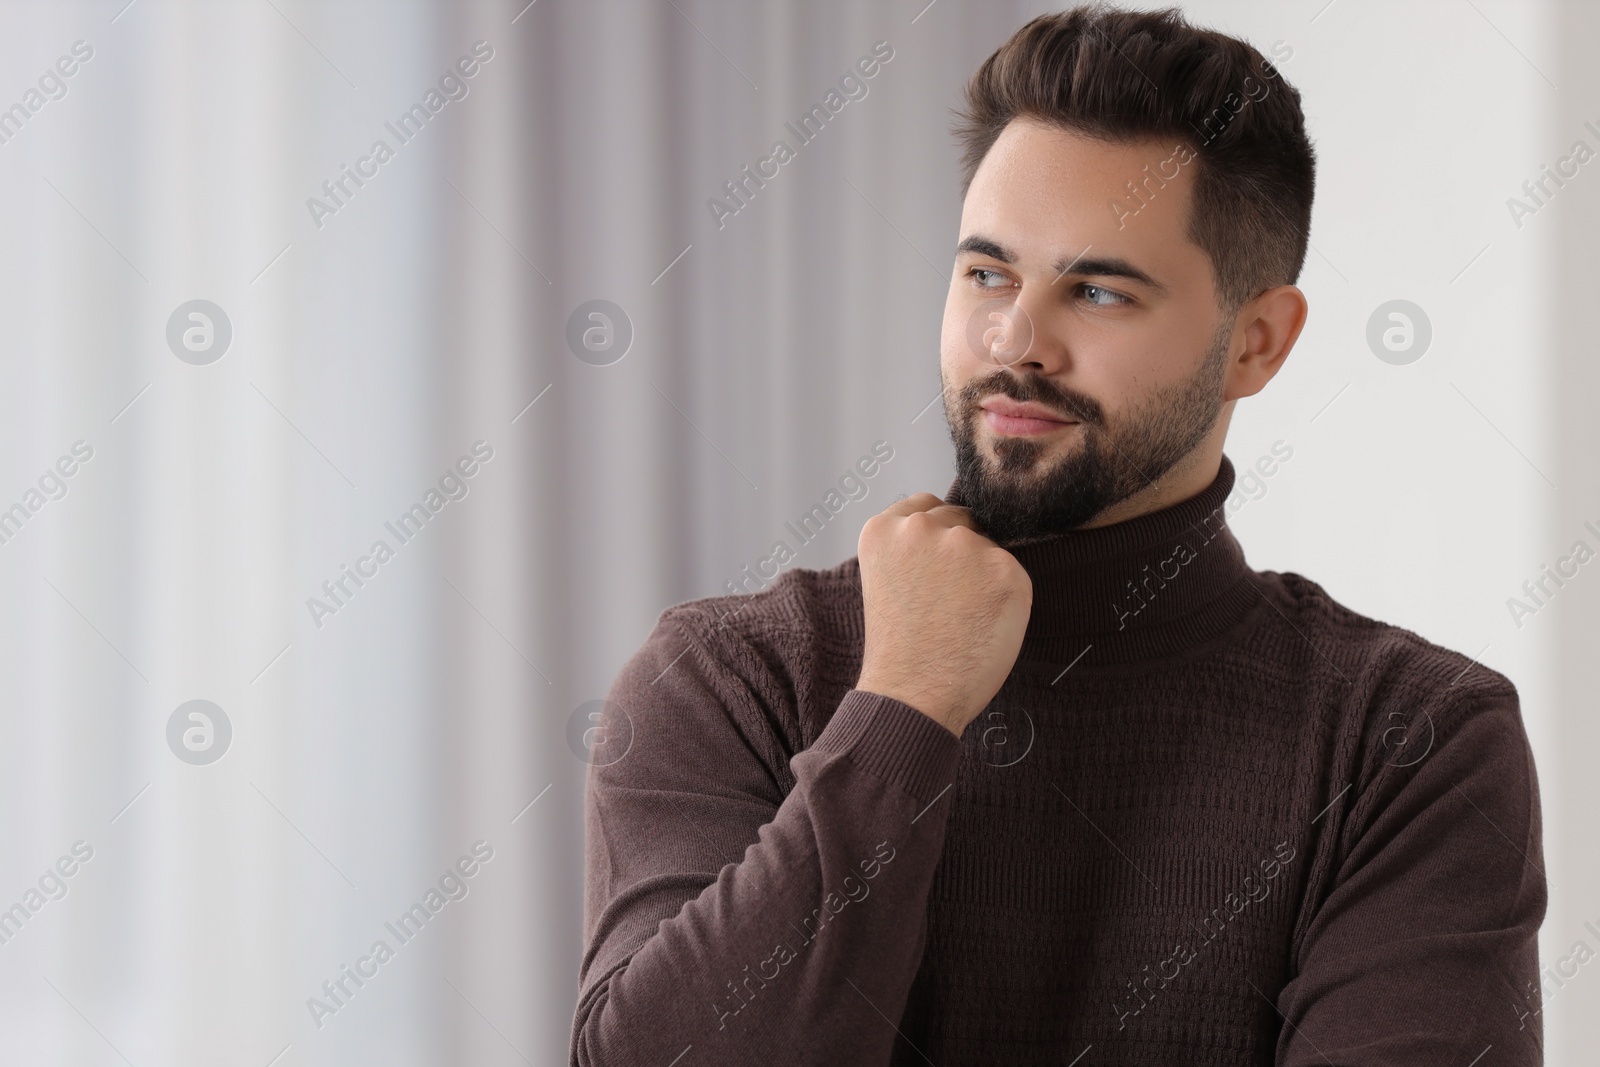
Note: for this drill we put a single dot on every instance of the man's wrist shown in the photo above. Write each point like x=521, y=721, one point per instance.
x=934, y=705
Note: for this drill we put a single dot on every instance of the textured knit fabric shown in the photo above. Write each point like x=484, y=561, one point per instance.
x=1212, y=817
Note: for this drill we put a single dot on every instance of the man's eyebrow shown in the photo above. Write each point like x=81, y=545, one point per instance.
x=1096, y=266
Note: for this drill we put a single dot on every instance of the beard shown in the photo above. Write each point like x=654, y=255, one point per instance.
x=1017, y=499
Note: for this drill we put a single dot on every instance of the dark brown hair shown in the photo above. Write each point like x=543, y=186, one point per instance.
x=1126, y=76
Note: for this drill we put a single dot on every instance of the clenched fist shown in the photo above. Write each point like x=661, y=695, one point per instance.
x=946, y=609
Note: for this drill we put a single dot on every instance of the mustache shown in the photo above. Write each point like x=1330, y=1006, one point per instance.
x=1034, y=389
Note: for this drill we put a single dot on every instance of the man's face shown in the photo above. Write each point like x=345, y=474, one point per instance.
x=1083, y=353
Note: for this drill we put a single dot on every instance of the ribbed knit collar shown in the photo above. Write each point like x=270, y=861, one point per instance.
x=1153, y=586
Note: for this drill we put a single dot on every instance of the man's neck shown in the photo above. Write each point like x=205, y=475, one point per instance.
x=1186, y=479
x=1147, y=587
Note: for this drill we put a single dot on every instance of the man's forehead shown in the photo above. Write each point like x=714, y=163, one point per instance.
x=1029, y=142
x=1043, y=195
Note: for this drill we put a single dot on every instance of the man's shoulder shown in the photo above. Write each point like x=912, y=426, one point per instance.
x=1382, y=657
x=799, y=619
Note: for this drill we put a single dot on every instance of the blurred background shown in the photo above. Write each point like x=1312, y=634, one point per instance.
x=523, y=347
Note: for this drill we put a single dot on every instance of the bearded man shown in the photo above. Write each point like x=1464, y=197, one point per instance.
x=1047, y=773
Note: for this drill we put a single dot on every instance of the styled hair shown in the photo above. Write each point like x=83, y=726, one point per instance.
x=1128, y=76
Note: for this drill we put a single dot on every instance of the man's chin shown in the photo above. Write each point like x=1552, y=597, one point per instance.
x=1026, y=459
x=1024, y=492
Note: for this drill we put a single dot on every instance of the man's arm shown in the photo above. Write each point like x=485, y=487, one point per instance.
x=755, y=928
x=1426, y=947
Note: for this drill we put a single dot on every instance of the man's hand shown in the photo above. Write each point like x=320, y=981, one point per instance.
x=946, y=609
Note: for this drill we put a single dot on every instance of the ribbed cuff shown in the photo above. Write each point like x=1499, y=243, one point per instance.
x=893, y=741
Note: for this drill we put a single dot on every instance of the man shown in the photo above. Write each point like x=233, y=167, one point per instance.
x=1048, y=774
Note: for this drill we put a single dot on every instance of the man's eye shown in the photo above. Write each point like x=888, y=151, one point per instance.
x=978, y=274
x=1091, y=291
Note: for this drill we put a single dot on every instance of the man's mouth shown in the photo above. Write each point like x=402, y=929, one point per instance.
x=1015, y=418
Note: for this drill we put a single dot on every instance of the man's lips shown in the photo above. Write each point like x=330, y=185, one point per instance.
x=1015, y=418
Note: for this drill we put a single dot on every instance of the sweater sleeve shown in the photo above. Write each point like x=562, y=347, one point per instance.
x=725, y=917
x=1425, y=951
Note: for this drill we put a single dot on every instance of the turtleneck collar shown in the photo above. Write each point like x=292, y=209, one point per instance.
x=1149, y=587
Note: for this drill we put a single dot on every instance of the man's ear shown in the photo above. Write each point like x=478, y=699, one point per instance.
x=1266, y=328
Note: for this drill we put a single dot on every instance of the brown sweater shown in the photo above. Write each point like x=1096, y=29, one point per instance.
x=1212, y=817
